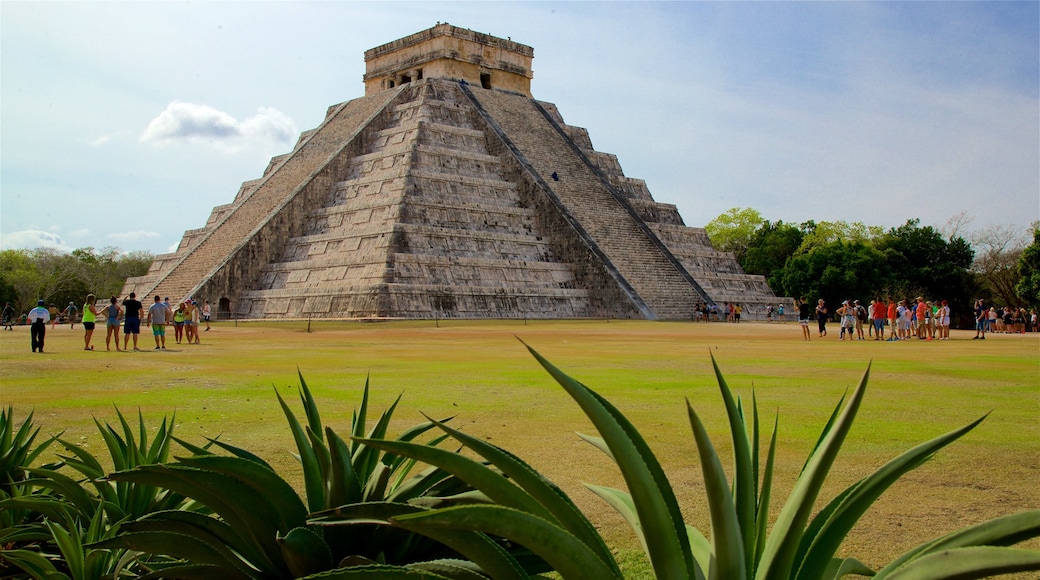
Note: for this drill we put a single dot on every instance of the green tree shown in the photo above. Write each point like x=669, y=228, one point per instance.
x=835, y=272
x=1028, y=287
x=816, y=234
x=922, y=262
x=733, y=230
x=770, y=248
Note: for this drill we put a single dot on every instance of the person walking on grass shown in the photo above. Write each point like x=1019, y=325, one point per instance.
x=132, y=308
x=981, y=317
x=112, y=313
x=206, y=313
x=90, y=313
x=38, y=318
x=803, y=318
x=821, y=317
x=70, y=312
x=8, y=316
x=158, y=318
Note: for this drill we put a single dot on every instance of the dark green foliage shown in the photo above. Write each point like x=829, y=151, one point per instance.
x=835, y=272
x=770, y=248
x=1028, y=287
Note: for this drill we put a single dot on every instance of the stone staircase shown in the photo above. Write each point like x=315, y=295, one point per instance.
x=236, y=238
x=421, y=224
x=639, y=259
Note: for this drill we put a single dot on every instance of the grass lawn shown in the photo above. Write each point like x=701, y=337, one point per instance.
x=478, y=372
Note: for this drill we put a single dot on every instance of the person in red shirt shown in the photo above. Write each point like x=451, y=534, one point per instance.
x=878, y=313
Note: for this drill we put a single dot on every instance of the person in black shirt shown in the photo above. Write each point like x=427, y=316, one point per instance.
x=804, y=312
x=132, y=319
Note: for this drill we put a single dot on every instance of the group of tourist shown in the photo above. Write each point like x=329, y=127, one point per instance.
x=129, y=314
x=706, y=313
x=1003, y=320
x=918, y=319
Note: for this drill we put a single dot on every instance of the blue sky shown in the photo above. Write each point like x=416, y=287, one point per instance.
x=124, y=123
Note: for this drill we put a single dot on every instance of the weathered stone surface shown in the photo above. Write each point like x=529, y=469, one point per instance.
x=438, y=198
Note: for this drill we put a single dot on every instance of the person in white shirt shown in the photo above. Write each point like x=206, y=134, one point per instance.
x=38, y=319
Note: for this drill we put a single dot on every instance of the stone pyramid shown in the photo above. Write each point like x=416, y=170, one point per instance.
x=448, y=191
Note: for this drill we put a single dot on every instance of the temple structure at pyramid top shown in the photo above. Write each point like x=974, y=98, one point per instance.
x=448, y=52
x=449, y=191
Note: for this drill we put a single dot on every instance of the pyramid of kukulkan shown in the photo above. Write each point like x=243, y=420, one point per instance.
x=448, y=191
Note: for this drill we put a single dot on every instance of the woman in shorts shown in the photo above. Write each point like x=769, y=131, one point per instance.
x=112, y=313
x=90, y=313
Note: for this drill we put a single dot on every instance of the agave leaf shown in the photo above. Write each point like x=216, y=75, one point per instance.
x=1002, y=531
x=376, y=572
x=561, y=509
x=476, y=546
x=209, y=530
x=173, y=544
x=762, y=511
x=310, y=408
x=313, y=481
x=247, y=511
x=418, y=485
x=359, y=419
x=826, y=430
x=454, y=569
x=598, y=443
x=726, y=541
x=497, y=487
x=562, y=550
x=744, y=479
x=841, y=567
x=344, y=487
x=365, y=458
x=622, y=502
x=194, y=572
x=702, y=552
x=375, y=487
x=236, y=451
x=70, y=546
x=783, y=542
x=654, y=498
x=262, y=480
x=65, y=487
x=969, y=562
x=32, y=562
x=305, y=552
x=823, y=542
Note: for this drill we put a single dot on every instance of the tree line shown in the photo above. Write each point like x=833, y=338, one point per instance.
x=839, y=260
x=58, y=277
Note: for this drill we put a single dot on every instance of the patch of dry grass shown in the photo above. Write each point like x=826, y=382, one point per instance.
x=479, y=372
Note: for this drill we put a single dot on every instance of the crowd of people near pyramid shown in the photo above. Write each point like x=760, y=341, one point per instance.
x=917, y=319
x=126, y=316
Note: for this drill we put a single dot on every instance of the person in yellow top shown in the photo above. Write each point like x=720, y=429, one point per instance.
x=90, y=313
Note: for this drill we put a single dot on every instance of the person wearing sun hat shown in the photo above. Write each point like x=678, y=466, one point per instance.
x=38, y=319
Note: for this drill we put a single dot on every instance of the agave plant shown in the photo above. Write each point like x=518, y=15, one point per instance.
x=261, y=527
x=531, y=511
x=72, y=517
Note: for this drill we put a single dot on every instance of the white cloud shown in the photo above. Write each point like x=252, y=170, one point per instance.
x=134, y=236
x=32, y=239
x=197, y=123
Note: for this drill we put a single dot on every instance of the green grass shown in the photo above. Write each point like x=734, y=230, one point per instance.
x=479, y=372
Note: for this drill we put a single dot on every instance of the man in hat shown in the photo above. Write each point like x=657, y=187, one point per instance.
x=38, y=319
